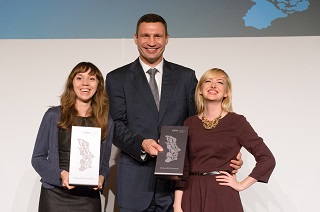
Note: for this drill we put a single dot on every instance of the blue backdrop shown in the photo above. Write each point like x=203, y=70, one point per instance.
x=64, y=19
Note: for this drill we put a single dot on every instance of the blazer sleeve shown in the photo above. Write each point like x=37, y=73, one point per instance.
x=41, y=161
x=106, y=152
x=192, y=89
x=124, y=138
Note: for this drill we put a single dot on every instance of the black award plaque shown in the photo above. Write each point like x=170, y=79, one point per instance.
x=170, y=161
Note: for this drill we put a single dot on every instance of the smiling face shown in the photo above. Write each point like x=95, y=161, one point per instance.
x=85, y=86
x=151, y=40
x=214, y=88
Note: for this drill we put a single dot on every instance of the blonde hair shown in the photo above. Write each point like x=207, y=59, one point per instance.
x=99, y=103
x=226, y=104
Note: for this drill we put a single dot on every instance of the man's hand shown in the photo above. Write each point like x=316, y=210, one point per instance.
x=236, y=164
x=151, y=147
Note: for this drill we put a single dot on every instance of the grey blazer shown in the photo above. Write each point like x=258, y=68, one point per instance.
x=45, y=157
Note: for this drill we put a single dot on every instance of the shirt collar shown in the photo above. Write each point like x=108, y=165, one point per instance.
x=145, y=67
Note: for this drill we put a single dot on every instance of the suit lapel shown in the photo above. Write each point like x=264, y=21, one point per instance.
x=139, y=80
x=167, y=88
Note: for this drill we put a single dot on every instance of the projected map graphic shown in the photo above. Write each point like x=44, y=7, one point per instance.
x=264, y=12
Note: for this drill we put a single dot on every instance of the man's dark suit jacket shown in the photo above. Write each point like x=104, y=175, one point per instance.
x=136, y=118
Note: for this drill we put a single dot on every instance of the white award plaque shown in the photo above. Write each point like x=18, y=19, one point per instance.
x=84, y=156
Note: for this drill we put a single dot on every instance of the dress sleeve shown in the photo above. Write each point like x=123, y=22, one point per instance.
x=265, y=161
x=180, y=184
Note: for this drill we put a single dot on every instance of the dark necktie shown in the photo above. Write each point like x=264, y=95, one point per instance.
x=153, y=85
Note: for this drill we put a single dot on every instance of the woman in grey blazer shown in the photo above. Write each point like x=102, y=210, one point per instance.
x=83, y=103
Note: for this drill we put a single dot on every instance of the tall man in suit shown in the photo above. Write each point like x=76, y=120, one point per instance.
x=138, y=118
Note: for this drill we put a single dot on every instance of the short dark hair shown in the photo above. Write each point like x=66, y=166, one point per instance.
x=151, y=18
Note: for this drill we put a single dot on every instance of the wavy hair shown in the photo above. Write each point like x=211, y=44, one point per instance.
x=99, y=110
x=226, y=104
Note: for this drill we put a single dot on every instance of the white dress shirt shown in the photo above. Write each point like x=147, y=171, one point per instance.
x=158, y=75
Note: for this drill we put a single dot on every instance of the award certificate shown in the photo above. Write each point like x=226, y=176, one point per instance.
x=84, y=156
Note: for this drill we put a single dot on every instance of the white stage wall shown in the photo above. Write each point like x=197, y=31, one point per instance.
x=276, y=86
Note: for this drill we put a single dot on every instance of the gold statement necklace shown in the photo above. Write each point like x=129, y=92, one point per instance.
x=207, y=124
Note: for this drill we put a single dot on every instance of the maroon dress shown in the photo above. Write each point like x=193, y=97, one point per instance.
x=212, y=150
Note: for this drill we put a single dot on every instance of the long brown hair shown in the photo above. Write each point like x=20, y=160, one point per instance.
x=99, y=103
x=226, y=104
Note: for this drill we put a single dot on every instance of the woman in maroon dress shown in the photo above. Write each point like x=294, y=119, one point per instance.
x=216, y=135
